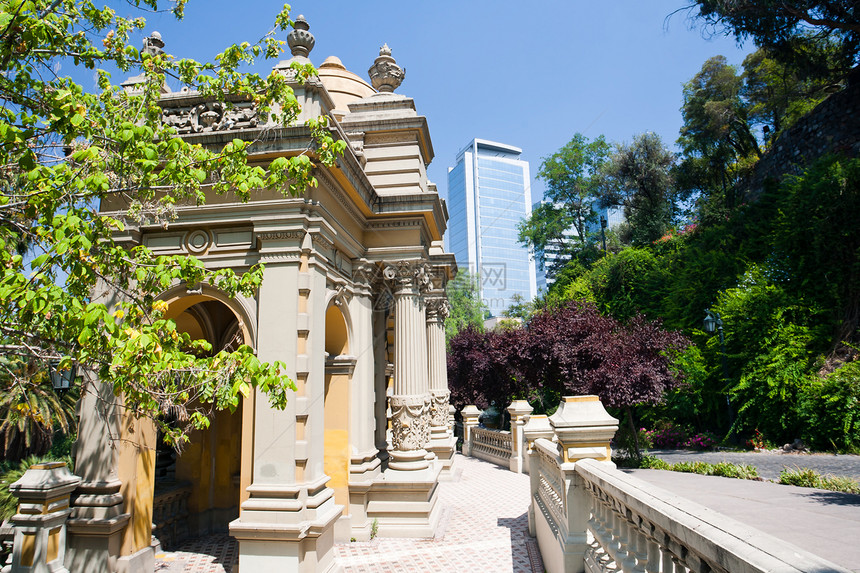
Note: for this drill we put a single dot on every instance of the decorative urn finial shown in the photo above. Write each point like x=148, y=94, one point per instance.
x=385, y=74
x=301, y=41
x=153, y=45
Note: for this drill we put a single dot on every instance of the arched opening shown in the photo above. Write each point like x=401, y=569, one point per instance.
x=338, y=373
x=198, y=490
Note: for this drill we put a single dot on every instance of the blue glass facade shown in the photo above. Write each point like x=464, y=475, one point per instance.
x=488, y=195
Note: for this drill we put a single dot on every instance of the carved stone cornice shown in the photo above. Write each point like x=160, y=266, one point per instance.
x=281, y=235
x=322, y=242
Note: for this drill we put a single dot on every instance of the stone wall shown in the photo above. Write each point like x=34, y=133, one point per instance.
x=832, y=127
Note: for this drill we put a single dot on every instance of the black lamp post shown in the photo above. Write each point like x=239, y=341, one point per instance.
x=61, y=380
x=603, y=224
x=711, y=323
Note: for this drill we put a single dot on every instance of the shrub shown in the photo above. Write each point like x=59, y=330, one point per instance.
x=703, y=441
x=805, y=477
x=726, y=469
x=654, y=463
x=721, y=469
x=667, y=435
x=831, y=410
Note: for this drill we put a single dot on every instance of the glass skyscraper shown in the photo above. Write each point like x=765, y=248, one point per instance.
x=489, y=193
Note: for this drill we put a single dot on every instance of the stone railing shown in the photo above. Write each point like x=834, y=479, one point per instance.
x=492, y=446
x=588, y=516
x=634, y=526
x=170, y=514
x=507, y=449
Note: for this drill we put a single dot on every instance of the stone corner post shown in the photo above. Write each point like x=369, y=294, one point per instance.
x=43, y=494
x=584, y=429
x=519, y=411
x=536, y=427
x=470, y=414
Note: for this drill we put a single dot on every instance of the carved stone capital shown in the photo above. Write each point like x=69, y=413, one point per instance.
x=407, y=275
x=364, y=273
x=438, y=308
x=410, y=422
x=439, y=408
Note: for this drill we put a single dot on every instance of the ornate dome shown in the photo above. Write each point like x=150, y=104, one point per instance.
x=343, y=85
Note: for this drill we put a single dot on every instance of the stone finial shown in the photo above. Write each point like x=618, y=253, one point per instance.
x=385, y=74
x=153, y=45
x=300, y=40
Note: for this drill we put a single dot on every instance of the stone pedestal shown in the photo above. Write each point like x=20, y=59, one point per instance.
x=40, y=523
x=536, y=427
x=519, y=411
x=471, y=415
x=584, y=429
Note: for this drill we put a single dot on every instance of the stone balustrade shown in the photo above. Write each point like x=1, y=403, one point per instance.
x=588, y=516
x=634, y=526
x=170, y=514
x=492, y=445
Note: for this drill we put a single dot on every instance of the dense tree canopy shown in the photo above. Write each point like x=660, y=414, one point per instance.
x=63, y=149
x=776, y=23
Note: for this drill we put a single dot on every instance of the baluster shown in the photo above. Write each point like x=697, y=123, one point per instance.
x=653, y=564
x=638, y=546
x=668, y=558
x=679, y=568
x=628, y=558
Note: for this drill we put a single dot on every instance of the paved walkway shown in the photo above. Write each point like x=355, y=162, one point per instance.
x=483, y=527
x=769, y=464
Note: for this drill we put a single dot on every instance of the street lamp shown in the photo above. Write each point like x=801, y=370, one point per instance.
x=712, y=322
x=61, y=380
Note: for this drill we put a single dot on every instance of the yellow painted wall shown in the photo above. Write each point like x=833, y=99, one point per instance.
x=137, y=474
x=336, y=440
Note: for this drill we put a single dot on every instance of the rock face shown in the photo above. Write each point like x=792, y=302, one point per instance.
x=832, y=127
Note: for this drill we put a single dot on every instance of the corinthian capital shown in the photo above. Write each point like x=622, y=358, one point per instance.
x=406, y=275
x=438, y=308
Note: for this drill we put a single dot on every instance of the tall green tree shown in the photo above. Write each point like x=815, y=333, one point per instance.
x=572, y=177
x=778, y=91
x=466, y=309
x=64, y=149
x=717, y=140
x=640, y=179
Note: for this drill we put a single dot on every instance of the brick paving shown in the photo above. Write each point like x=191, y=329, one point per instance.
x=483, y=527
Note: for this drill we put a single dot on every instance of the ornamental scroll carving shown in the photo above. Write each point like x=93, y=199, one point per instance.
x=437, y=308
x=410, y=422
x=406, y=274
x=439, y=408
x=211, y=116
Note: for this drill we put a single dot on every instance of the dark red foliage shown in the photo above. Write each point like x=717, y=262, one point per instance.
x=482, y=367
x=572, y=349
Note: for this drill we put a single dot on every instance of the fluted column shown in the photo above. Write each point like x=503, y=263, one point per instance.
x=442, y=442
x=410, y=401
x=437, y=311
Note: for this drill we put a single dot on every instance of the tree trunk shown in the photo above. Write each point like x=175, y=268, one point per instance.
x=637, y=454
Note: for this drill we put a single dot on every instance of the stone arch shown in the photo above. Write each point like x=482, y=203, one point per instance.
x=339, y=367
x=210, y=472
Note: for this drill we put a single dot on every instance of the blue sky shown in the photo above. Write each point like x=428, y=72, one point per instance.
x=526, y=75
